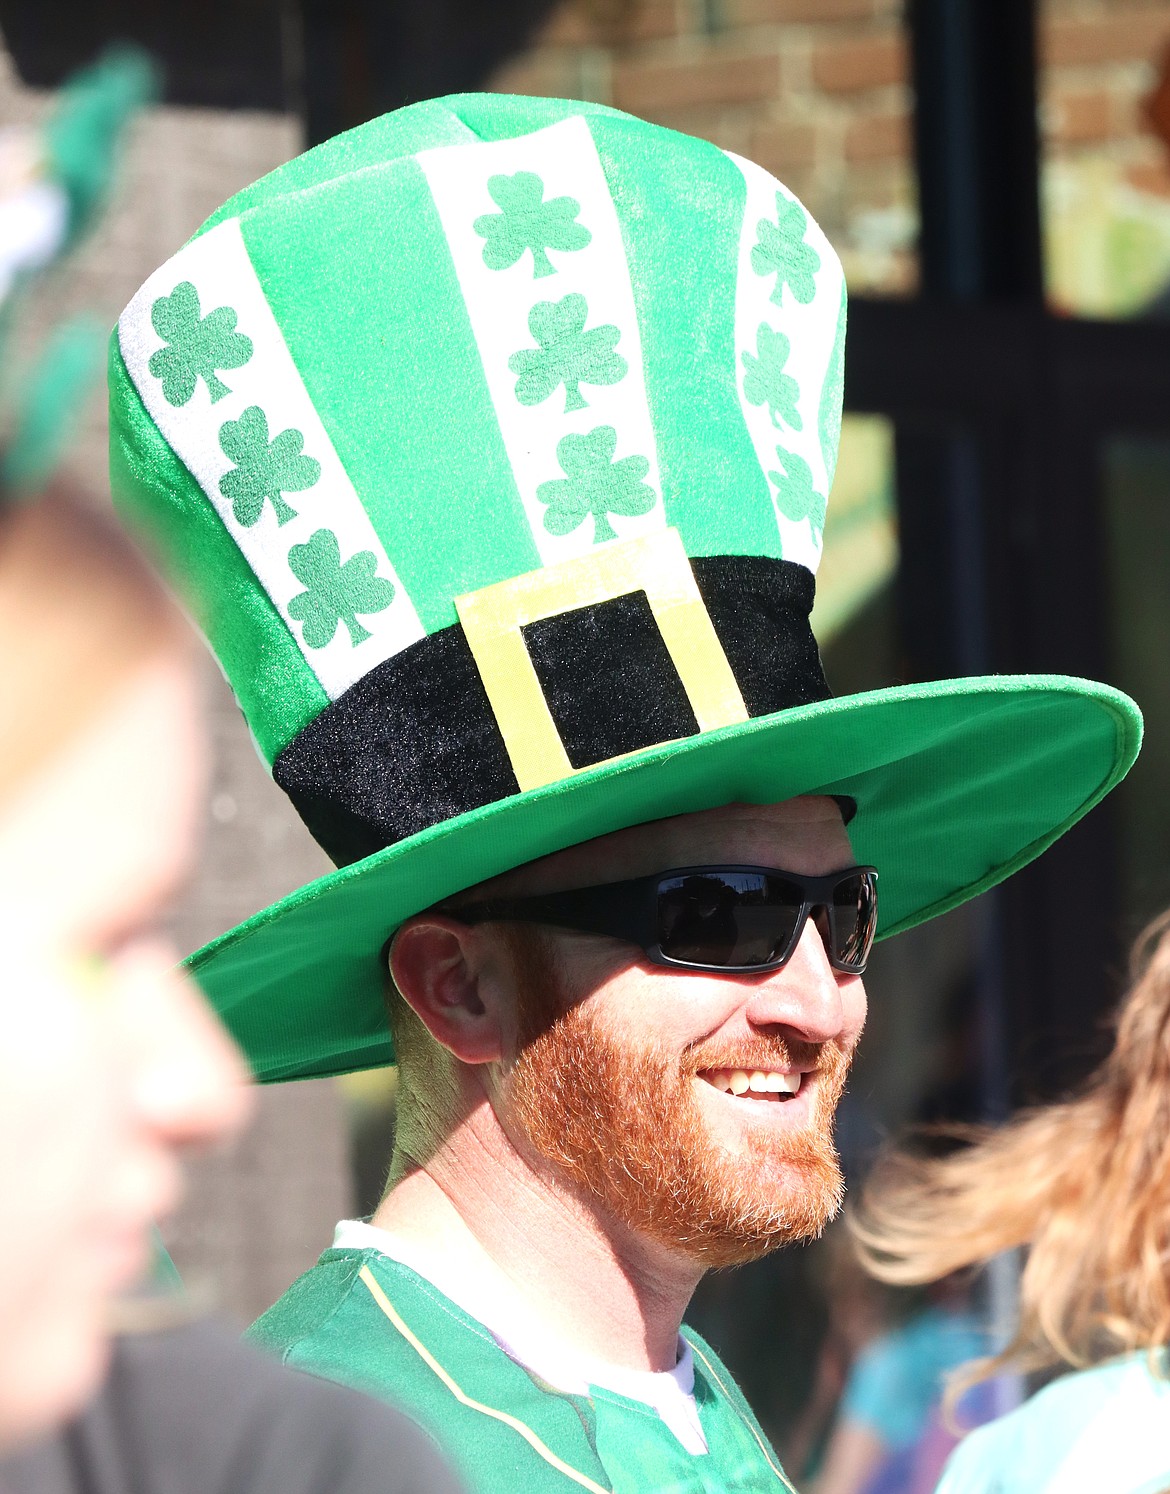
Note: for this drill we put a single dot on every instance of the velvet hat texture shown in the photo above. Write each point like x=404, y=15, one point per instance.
x=490, y=443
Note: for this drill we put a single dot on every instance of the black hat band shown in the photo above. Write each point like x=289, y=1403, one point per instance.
x=415, y=742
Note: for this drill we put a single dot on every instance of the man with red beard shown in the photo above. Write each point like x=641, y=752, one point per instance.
x=491, y=442
x=692, y=1110
x=582, y=1133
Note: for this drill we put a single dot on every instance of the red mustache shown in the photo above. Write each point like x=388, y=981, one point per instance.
x=769, y=1054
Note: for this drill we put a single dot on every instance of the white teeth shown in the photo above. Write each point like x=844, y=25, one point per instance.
x=740, y=1081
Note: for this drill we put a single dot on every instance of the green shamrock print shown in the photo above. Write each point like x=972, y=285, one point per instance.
x=265, y=470
x=766, y=383
x=526, y=222
x=781, y=251
x=196, y=346
x=795, y=496
x=335, y=593
x=594, y=484
x=567, y=354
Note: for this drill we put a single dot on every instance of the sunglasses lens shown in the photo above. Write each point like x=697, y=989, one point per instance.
x=738, y=919
x=732, y=919
x=853, y=919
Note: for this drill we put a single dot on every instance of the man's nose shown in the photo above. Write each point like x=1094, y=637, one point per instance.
x=190, y=1084
x=804, y=996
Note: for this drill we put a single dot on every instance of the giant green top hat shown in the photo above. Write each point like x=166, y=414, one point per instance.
x=491, y=443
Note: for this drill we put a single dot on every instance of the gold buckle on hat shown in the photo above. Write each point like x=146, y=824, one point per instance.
x=654, y=563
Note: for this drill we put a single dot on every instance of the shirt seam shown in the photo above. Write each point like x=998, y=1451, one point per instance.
x=307, y=1337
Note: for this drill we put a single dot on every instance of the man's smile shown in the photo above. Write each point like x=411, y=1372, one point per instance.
x=755, y=1084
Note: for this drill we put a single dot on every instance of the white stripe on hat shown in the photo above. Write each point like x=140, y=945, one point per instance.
x=218, y=267
x=501, y=300
x=810, y=328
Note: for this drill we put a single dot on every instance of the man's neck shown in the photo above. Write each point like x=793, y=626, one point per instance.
x=554, y=1266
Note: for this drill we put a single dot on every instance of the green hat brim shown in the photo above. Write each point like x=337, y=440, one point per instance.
x=958, y=783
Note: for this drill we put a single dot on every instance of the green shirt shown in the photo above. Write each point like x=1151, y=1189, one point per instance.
x=368, y=1321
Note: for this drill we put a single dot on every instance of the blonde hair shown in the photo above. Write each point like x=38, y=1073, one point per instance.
x=79, y=611
x=1084, y=1185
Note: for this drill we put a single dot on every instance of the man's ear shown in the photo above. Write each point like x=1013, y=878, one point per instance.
x=437, y=964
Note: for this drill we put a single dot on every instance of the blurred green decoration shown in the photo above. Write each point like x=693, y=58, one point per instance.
x=43, y=416
x=56, y=181
x=82, y=140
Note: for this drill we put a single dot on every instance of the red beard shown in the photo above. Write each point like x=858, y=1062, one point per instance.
x=623, y=1122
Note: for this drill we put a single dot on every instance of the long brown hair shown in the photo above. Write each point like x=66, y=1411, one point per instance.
x=1084, y=1185
x=79, y=611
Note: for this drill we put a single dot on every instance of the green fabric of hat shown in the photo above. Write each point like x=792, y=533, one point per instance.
x=490, y=443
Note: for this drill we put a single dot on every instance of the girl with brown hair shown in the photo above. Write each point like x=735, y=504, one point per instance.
x=1084, y=1185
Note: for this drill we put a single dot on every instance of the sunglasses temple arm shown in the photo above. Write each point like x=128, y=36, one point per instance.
x=618, y=911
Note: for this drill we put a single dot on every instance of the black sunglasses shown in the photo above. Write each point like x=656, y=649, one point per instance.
x=720, y=918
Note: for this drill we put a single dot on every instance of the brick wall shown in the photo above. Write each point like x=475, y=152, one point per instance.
x=815, y=90
x=1100, y=59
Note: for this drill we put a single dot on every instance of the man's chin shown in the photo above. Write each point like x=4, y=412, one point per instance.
x=773, y=1162
x=763, y=1205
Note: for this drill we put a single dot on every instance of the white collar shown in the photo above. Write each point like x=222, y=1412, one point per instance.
x=669, y=1392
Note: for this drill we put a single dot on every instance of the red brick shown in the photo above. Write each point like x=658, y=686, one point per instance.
x=874, y=62
x=568, y=26
x=1150, y=176
x=653, y=20
x=878, y=137
x=1152, y=112
x=761, y=12
x=1076, y=116
x=783, y=148
x=543, y=74
x=711, y=78
x=1139, y=37
x=582, y=23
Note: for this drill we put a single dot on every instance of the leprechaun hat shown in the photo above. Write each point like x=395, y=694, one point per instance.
x=490, y=442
